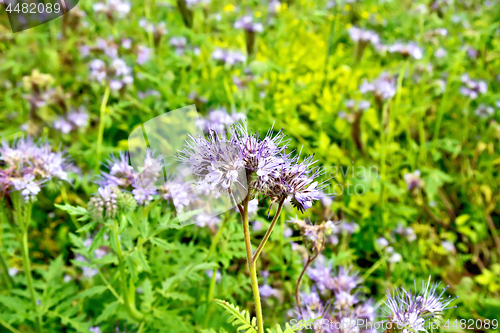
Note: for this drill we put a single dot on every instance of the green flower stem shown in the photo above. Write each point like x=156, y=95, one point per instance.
x=64, y=196
x=466, y=121
x=269, y=231
x=374, y=267
x=104, y=103
x=3, y=263
x=215, y=241
x=23, y=222
x=9, y=327
x=129, y=301
x=252, y=267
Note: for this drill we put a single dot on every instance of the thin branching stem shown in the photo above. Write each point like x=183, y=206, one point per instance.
x=269, y=231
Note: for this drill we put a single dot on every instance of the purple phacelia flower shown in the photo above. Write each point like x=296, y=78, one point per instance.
x=472, y=88
x=27, y=165
x=411, y=310
x=407, y=50
x=74, y=120
x=413, y=180
x=143, y=54
x=440, y=53
x=219, y=120
x=179, y=43
x=484, y=111
x=113, y=8
x=118, y=74
x=384, y=87
x=229, y=57
x=267, y=291
x=358, y=35
x=247, y=23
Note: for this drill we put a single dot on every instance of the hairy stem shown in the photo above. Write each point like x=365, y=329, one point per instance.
x=269, y=231
x=23, y=221
x=252, y=267
x=129, y=303
x=9, y=327
x=3, y=263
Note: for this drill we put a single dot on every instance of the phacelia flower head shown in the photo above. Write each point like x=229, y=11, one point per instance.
x=113, y=8
x=103, y=204
x=26, y=165
x=117, y=73
x=383, y=88
x=409, y=311
x=229, y=57
x=472, y=88
x=73, y=121
x=484, y=111
x=143, y=182
x=219, y=120
x=363, y=36
x=413, y=180
x=236, y=159
x=247, y=23
x=407, y=50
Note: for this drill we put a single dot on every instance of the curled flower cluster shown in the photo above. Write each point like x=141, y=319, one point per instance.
x=484, y=111
x=358, y=35
x=406, y=232
x=384, y=87
x=409, y=311
x=143, y=54
x=179, y=43
x=247, y=23
x=113, y=8
x=413, y=180
x=229, y=57
x=159, y=28
x=472, y=88
x=27, y=165
x=348, y=305
x=72, y=121
x=143, y=182
x=354, y=109
x=117, y=73
x=315, y=234
x=236, y=162
x=407, y=50
x=103, y=205
x=219, y=120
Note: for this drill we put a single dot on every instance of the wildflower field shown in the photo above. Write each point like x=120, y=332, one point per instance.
x=252, y=166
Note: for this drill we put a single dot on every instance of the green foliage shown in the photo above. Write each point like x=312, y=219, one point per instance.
x=241, y=320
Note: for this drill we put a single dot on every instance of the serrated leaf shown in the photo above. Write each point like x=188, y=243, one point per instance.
x=142, y=260
x=162, y=243
x=147, y=295
x=241, y=320
x=110, y=309
x=97, y=290
x=77, y=241
x=75, y=211
x=86, y=227
x=177, y=296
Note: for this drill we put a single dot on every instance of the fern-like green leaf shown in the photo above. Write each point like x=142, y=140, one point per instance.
x=241, y=319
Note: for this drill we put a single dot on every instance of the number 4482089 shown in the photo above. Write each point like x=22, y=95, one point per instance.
x=472, y=324
x=34, y=8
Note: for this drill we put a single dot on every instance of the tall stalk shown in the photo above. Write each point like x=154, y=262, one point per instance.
x=3, y=263
x=252, y=267
x=23, y=221
x=128, y=296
